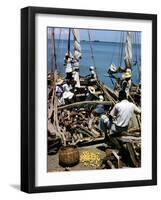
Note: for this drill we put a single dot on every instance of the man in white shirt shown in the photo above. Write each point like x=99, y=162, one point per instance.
x=76, y=78
x=126, y=81
x=67, y=94
x=122, y=113
x=69, y=69
x=59, y=92
x=93, y=73
x=92, y=76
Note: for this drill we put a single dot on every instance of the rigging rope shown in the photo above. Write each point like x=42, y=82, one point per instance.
x=136, y=54
x=122, y=48
x=113, y=51
x=139, y=54
x=59, y=38
x=119, y=48
x=92, y=55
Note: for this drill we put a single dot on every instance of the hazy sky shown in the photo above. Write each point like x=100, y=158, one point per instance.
x=102, y=35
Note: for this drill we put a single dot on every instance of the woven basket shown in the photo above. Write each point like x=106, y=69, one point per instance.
x=68, y=156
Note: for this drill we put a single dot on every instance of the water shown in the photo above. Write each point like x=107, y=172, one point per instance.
x=105, y=53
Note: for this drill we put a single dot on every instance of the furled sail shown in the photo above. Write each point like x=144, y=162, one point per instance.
x=128, y=51
x=77, y=47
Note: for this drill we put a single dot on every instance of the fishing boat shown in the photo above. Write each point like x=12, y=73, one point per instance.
x=75, y=123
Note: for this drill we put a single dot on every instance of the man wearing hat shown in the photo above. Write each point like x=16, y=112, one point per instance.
x=68, y=94
x=76, y=77
x=122, y=113
x=90, y=95
x=126, y=81
x=69, y=69
x=104, y=120
x=92, y=76
x=60, y=91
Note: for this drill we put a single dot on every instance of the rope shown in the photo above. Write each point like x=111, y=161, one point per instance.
x=59, y=38
x=122, y=47
x=92, y=55
x=135, y=42
x=139, y=53
x=61, y=48
x=113, y=51
x=136, y=54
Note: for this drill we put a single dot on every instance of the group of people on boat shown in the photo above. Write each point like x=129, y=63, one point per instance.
x=72, y=71
x=67, y=89
x=118, y=118
x=125, y=82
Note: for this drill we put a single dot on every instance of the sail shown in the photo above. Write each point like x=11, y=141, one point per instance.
x=128, y=51
x=77, y=47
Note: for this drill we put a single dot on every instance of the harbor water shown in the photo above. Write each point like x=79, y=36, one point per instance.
x=104, y=53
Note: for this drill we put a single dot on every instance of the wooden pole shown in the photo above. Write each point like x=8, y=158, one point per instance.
x=77, y=104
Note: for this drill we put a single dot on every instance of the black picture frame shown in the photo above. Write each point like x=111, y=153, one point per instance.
x=28, y=98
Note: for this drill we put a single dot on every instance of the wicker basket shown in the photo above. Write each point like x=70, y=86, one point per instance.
x=68, y=156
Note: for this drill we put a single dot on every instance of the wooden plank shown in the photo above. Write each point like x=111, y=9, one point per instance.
x=132, y=154
x=77, y=104
x=96, y=94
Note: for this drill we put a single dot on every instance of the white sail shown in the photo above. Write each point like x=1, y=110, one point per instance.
x=128, y=51
x=77, y=47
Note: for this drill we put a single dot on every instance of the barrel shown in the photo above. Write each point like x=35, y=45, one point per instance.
x=68, y=156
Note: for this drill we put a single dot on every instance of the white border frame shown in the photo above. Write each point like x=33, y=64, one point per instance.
x=77, y=177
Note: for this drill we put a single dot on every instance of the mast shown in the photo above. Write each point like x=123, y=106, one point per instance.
x=54, y=64
x=128, y=51
x=77, y=47
x=69, y=42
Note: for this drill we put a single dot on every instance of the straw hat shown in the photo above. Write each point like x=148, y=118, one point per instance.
x=126, y=75
x=59, y=81
x=91, y=89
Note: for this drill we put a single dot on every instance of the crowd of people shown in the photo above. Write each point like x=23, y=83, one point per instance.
x=67, y=89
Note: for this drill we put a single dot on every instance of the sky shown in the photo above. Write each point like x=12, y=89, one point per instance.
x=101, y=35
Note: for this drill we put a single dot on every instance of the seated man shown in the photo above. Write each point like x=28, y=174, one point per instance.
x=59, y=92
x=67, y=94
x=122, y=112
x=103, y=119
x=92, y=77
